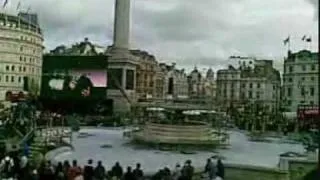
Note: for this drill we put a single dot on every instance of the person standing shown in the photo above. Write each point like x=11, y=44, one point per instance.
x=210, y=169
x=129, y=174
x=100, y=171
x=88, y=171
x=138, y=173
x=74, y=170
x=117, y=171
x=187, y=171
x=176, y=172
x=59, y=174
x=220, y=168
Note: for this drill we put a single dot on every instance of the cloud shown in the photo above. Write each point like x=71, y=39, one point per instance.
x=202, y=33
x=315, y=4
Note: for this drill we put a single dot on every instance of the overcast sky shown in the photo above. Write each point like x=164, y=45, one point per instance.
x=190, y=32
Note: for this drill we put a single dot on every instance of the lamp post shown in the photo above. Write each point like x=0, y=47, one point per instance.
x=318, y=114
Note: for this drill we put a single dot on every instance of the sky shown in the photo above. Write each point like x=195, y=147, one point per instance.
x=202, y=33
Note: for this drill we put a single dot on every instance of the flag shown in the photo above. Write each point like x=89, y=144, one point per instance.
x=286, y=40
x=304, y=37
x=5, y=3
x=18, y=6
x=309, y=39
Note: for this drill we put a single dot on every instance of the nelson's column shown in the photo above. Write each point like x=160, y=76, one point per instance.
x=122, y=65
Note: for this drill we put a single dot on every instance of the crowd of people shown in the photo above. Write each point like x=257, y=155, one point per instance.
x=22, y=169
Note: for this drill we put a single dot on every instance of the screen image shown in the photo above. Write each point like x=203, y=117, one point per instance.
x=75, y=83
x=97, y=77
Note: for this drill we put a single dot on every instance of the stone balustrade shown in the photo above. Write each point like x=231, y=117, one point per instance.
x=192, y=133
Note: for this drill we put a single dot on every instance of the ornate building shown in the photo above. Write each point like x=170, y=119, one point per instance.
x=145, y=74
x=21, y=47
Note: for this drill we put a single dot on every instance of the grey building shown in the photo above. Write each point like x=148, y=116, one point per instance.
x=300, y=80
x=255, y=83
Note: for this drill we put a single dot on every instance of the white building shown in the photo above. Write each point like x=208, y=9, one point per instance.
x=21, y=50
x=300, y=80
x=258, y=85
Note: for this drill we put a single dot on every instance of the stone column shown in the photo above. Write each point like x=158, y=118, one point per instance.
x=121, y=24
x=124, y=78
x=134, y=80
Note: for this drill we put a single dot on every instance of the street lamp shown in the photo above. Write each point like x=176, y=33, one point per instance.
x=318, y=114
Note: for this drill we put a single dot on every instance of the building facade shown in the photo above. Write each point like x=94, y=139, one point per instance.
x=257, y=85
x=145, y=74
x=21, y=47
x=300, y=80
x=175, y=82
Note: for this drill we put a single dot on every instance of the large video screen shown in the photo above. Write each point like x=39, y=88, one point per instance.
x=74, y=83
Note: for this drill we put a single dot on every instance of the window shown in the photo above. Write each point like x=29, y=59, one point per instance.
x=21, y=48
x=302, y=79
x=289, y=92
x=313, y=67
x=258, y=95
x=258, y=85
x=312, y=78
x=24, y=69
x=311, y=91
x=290, y=68
x=250, y=85
x=311, y=102
x=7, y=78
x=12, y=68
x=289, y=103
x=243, y=85
x=21, y=58
x=250, y=94
x=7, y=68
x=243, y=95
x=302, y=91
x=25, y=59
x=290, y=79
x=303, y=67
x=19, y=79
x=20, y=69
x=12, y=78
